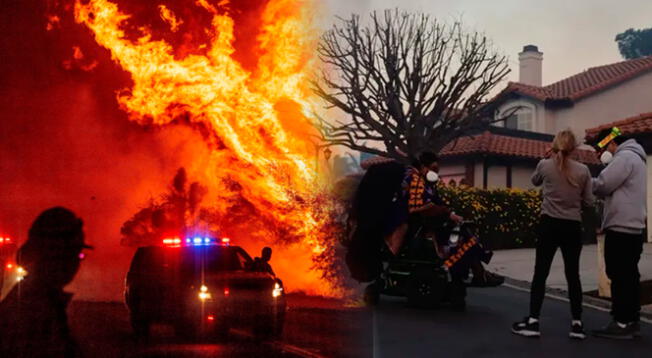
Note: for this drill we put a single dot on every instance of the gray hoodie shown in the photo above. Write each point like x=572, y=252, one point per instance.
x=623, y=184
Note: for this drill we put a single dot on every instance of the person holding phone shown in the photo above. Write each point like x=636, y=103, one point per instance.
x=623, y=185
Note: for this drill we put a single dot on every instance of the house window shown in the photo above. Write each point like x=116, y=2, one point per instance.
x=523, y=120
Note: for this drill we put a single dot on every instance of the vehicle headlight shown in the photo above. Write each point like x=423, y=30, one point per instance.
x=277, y=291
x=20, y=273
x=204, y=294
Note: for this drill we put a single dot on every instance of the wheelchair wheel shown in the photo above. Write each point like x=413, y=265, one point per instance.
x=425, y=289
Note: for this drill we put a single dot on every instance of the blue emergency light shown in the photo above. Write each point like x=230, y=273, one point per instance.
x=196, y=241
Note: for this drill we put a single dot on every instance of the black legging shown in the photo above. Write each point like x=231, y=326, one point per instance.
x=567, y=235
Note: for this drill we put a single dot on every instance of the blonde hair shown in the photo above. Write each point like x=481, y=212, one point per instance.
x=563, y=146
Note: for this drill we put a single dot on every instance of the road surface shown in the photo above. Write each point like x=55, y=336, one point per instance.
x=484, y=330
x=315, y=327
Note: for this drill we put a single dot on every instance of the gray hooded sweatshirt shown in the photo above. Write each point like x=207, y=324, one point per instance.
x=623, y=184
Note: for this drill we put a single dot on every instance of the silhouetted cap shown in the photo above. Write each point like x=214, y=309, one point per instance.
x=57, y=228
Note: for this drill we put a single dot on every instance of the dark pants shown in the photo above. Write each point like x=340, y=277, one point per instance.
x=567, y=235
x=418, y=228
x=621, y=255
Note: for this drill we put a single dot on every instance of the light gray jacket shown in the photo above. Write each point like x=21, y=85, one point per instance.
x=623, y=184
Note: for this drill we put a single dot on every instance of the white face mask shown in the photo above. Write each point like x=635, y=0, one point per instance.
x=432, y=176
x=606, y=157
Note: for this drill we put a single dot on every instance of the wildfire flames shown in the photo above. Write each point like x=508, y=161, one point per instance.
x=251, y=109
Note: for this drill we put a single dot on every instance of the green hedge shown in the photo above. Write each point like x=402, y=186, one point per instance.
x=506, y=218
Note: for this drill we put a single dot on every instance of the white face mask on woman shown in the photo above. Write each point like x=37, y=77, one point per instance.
x=432, y=176
x=606, y=157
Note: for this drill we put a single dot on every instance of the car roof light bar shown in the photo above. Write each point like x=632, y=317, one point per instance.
x=195, y=241
x=172, y=241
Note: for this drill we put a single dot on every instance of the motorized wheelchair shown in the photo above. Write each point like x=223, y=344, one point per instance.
x=432, y=268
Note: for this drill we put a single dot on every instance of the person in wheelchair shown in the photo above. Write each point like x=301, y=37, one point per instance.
x=430, y=219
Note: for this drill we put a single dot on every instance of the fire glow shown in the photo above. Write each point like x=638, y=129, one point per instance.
x=253, y=117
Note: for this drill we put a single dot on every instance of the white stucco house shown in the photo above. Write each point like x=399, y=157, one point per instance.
x=590, y=98
x=505, y=154
x=594, y=97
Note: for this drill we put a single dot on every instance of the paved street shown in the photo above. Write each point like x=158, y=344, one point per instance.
x=519, y=264
x=315, y=327
x=484, y=330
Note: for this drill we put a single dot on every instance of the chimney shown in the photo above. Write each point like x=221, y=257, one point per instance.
x=530, y=66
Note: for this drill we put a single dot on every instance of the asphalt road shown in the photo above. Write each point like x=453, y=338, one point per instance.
x=315, y=327
x=484, y=330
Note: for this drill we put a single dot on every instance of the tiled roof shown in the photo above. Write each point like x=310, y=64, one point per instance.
x=540, y=93
x=365, y=164
x=498, y=145
x=585, y=83
x=633, y=125
x=495, y=144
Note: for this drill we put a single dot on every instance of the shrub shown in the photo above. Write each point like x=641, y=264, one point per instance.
x=506, y=218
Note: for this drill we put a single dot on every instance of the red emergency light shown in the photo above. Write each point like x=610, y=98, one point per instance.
x=172, y=241
x=195, y=241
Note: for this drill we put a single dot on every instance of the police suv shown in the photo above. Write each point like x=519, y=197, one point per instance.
x=203, y=286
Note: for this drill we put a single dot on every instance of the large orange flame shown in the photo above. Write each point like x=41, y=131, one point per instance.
x=255, y=117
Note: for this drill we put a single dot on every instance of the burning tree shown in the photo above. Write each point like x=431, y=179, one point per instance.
x=249, y=110
x=175, y=212
x=238, y=73
x=407, y=81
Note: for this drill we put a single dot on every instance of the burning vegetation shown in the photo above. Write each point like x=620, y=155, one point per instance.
x=237, y=73
x=174, y=213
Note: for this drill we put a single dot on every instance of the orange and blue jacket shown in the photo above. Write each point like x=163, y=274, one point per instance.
x=423, y=198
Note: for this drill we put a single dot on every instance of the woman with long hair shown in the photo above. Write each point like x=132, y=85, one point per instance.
x=566, y=185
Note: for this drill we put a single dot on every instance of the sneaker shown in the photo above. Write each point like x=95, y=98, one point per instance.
x=526, y=329
x=577, y=331
x=614, y=331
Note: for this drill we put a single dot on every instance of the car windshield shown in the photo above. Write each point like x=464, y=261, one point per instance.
x=212, y=259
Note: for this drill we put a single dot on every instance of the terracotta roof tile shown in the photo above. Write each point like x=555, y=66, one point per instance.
x=489, y=143
x=598, y=78
x=495, y=144
x=540, y=93
x=365, y=164
x=585, y=83
x=633, y=125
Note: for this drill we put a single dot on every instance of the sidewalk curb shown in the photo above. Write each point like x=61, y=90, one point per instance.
x=561, y=295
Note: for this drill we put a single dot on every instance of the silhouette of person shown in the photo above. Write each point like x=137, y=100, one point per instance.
x=262, y=263
x=33, y=321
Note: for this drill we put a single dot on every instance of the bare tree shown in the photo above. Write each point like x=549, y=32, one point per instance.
x=405, y=80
